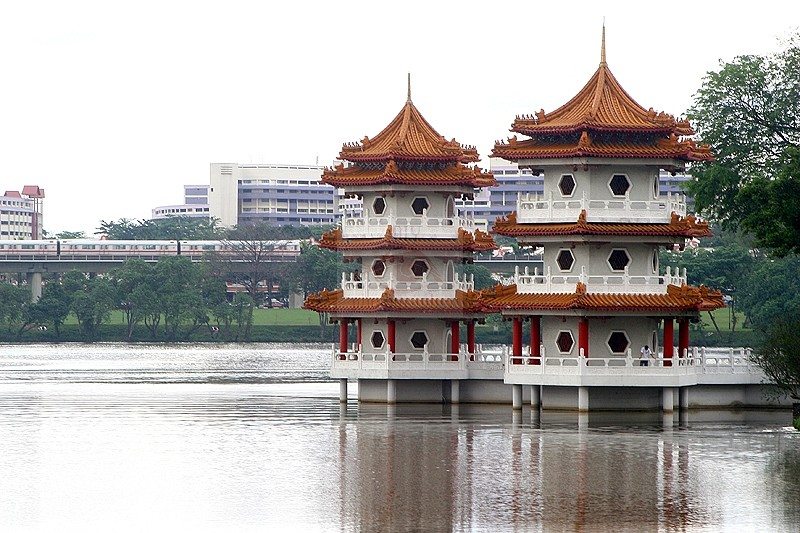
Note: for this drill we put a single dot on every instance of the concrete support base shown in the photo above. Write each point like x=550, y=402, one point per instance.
x=343, y=390
x=454, y=391
x=535, y=395
x=391, y=391
x=667, y=398
x=583, y=398
x=35, y=283
x=516, y=396
x=683, y=398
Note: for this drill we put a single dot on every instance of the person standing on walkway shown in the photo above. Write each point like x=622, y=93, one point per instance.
x=645, y=355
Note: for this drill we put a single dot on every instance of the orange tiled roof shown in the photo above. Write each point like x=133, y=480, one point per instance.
x=602, y=120
x=688, y=227
x=466, y=241
x=335, y=302
x=584, y=145
x=454, y=174
x=602, y=105
x=409, y=137
x=684, y=298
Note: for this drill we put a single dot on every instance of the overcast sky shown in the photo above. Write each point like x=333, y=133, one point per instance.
x=113, y=106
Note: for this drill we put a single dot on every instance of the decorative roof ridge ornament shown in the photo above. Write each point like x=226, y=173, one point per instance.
x=408, y=98
x=603, y=46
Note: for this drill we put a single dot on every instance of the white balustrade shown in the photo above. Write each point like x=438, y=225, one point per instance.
x=698, y=361
x=405, y=227
x=535, y=208
x=623, y=283
x=373, y=287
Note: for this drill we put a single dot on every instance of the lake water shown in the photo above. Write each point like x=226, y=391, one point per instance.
x=200, y=437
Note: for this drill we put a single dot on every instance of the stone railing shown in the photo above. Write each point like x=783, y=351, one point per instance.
x=405, y=227
x=534, y=208
x=697, y=360
x=422, y=360
x=373, y=287
x=623, y=283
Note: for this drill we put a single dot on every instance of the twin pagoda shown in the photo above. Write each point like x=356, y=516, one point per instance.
x=600, y=297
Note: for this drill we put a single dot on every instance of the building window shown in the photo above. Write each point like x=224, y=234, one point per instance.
x=565, y=260
x=565, y=342
x=618, y=342
x=420, y=205
x=378, y=267
x=419, y=339
x=379, y=205
x=618, y=259
x=419, y=268
x=377, y=339
x=619, y=184
x=566, y=184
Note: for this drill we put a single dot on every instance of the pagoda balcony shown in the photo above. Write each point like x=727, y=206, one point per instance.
x=361, y=226
x=699, y=365
x=538, y=209
x=481, y=364
x=623, y=283
x=373, y=287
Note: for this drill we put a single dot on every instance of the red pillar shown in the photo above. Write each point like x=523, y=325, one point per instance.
x=516, y=340
x=683, y=337
x=471, y=339
x=583, y=336
x=455, y=339
x=343, y=335
x=536, y=339
x=358, y=333
x=669, y=337
x=390, y=334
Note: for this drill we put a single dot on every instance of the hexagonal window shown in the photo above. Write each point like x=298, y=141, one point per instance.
x=655, y=261
x=420, y=205
x=379, y=205
x=377, y=339
x=618, y=259
x=656, y=186
x=618, y=342
x=419, y=267
x=566, y=185
x=378, y=267
x=619, y=184
x=419, y=339
x=565, y=260
x=564, y=341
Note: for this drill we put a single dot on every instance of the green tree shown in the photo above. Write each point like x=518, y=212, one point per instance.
x=138, y=293
x=93, y=305
x=13, y=301
x=748, y=112
x=482, y=275
x=770, y=293
x=170, y=228
x=52, y=308
x=178, y=283
x=779, y=357
x=70, y=235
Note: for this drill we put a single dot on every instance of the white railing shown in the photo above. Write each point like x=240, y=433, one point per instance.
x=355, y=359
x=624, y=283
x=532, y=207
x=405, y=227
x=373, y=287
x=695, y=361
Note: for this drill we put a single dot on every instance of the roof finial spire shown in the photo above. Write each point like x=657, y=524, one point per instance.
x=603, y=45
x=409, y=86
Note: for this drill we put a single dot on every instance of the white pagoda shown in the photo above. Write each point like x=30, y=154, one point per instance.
x=401, y=313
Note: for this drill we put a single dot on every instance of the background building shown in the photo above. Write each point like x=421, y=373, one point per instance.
x=195, y=204
x=274, y=194
x=21, y=213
